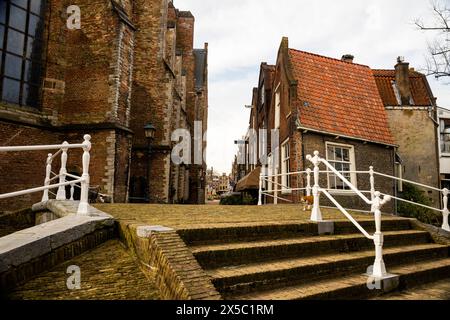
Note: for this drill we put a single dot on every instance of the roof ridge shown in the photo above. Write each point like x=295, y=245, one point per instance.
x=412, y=73
x=329, y=58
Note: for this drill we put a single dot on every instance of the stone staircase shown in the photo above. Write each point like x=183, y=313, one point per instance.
x=291, y=261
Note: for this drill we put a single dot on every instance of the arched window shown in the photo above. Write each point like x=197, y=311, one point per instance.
x=21, y=31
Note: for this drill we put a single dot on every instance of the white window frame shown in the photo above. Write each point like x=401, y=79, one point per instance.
x=277, y=108
x=442, y=137
x=285, y=167
x=352, y=162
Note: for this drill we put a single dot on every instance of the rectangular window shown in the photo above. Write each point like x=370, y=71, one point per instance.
x=277, y=109
x=285, y=167
x=444, y=127
x=342, y=158
x=21, y=33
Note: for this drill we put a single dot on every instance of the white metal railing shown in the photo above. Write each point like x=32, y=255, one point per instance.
x=375, y=201
x=84, y=180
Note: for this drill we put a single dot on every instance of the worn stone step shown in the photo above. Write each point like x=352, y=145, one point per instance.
x=261, y=276
x=256, y=232
x=219, y=255
x=353, y=286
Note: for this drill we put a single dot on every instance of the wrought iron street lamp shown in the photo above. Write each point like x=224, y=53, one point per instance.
x=150, y=131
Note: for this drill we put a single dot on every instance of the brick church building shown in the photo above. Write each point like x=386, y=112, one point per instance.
x=131, y=63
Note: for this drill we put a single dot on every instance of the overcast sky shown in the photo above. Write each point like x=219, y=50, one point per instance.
x=243, y=33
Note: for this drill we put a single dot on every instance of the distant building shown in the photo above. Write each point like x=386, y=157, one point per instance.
x=216, y=184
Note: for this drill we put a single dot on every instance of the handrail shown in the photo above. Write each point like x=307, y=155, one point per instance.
x=42, y=147
x=415, y=203
x=83, y=208
x=407, y=181
x=302, y=172
x=376, y=203
x=38, y=189
x=348, y=183
x=345, y=212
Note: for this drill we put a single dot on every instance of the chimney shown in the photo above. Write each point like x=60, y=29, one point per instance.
x=402, y=81
x=348, y=58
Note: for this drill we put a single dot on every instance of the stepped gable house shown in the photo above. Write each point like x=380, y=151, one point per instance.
x=131, y=63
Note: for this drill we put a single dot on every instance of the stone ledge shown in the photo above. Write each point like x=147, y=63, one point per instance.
x=165, y=258
x=439, y=235
x=28, y=244
x=67, y=207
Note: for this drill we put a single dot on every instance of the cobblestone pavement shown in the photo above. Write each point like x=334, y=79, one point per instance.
x=186, y=216
x=439, y=290
x=107, y=273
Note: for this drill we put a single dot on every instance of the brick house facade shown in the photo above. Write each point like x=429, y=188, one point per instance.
x=320, y=103
x=131, y=63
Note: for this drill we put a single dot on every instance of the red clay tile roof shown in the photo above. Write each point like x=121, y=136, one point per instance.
x=342, y=98
x=419, y=91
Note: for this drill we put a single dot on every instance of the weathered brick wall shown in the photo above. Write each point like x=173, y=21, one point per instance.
x=21, y=170
x=366, y=155
x=151, y=91
x=413, y=128
x=88, y=78
x=165, y=257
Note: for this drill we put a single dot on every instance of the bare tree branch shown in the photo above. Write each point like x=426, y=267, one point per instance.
x=438, y=61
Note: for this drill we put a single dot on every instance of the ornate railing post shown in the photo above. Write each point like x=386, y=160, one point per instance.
x=72, y=191
x=275, y=179
x=379, y=269
x=61, y=195
x=316, y=214
x=308, y=182
x=445, y=210
x=260, y=188
x=372, y=183
x=83, y=208
x=48, y=171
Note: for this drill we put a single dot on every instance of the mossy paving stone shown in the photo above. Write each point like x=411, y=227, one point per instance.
x=108, y=272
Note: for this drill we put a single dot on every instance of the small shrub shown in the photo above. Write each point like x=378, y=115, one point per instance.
x=412, y=193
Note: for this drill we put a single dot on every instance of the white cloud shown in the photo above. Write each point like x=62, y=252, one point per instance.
x=243, y=33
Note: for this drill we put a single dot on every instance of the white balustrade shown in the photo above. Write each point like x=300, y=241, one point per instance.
x=260, y=188
x=372, y=183
x=84, y=197
x=316, y=214
x=83, y=208
x=445, y=210
x=375, y=201
x=48, y=172
x=308, y=182
x=61, y=194
x=379, y=269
